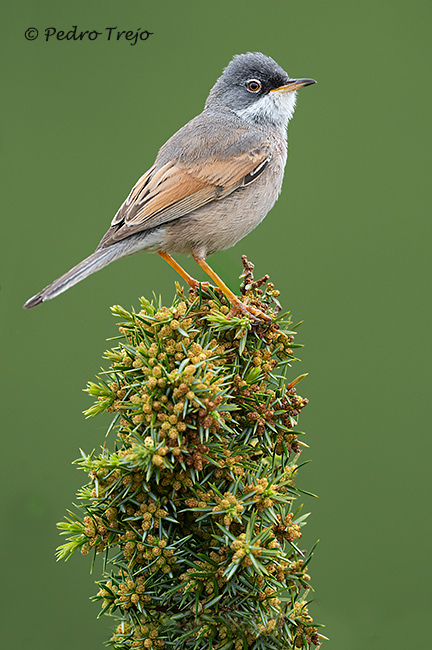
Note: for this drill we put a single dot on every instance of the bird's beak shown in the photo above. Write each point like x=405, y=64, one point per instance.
x=293, y=84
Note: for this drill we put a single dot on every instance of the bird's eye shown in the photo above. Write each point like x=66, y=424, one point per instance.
x=253, y=85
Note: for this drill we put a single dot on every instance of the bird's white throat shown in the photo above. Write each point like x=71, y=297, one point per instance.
x=277, y=107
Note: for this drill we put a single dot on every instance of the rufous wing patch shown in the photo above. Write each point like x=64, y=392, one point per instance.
x=174, y=189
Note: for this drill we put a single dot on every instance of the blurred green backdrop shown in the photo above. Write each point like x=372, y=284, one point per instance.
x=346, y=244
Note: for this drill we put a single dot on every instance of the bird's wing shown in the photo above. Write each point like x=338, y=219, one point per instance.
x=171, y=189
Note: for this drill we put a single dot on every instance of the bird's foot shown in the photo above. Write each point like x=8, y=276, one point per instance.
x=242, y=307
x=195, y=286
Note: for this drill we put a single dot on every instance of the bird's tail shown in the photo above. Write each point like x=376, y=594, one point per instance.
x=100, y=258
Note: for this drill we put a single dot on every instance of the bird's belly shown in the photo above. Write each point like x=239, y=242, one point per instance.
x=221, y=224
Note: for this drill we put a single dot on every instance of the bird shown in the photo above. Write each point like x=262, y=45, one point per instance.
x=211, y=183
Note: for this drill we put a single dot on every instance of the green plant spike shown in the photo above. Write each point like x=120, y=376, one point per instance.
x=196, y=510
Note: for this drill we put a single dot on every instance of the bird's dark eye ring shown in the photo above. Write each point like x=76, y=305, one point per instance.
x=253, y=85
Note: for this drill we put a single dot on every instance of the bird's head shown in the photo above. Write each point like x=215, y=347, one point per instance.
x=257, y=89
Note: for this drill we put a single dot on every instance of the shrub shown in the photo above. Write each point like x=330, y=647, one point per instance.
x=195, y=511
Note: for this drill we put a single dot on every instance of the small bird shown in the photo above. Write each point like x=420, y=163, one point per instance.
x=212, y=182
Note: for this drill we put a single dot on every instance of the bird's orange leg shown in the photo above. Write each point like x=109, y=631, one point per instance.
x=237, y=306
x=194, y=284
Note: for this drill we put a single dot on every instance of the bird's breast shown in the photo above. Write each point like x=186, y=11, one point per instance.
x=222, y=223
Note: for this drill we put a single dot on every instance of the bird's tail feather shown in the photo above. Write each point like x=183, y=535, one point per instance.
x=100, y=258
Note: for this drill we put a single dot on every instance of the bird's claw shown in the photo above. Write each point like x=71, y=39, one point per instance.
x=240, y=307
x=196, y=286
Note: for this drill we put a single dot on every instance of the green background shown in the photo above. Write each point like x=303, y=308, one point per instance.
x=347, y=244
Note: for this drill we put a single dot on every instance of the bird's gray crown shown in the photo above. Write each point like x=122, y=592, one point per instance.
x=231, y=89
